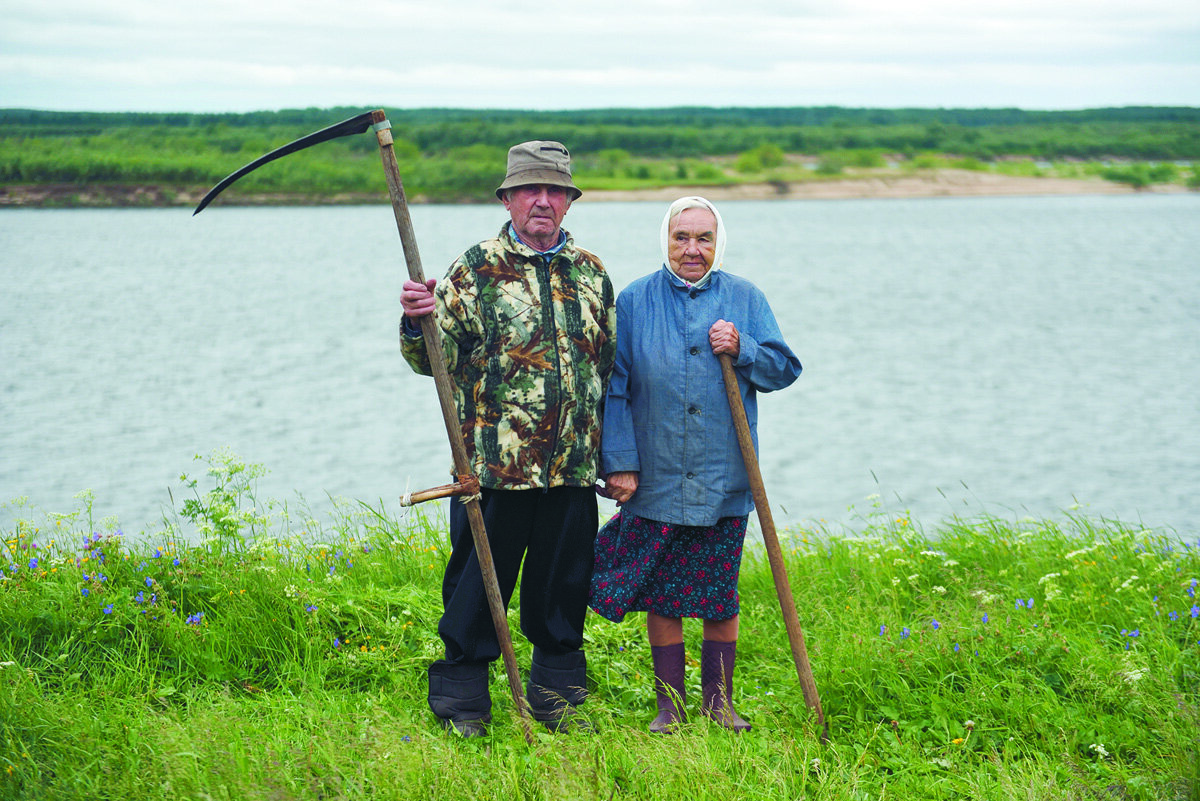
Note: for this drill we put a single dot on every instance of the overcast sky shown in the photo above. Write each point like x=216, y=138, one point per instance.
x=245, y=55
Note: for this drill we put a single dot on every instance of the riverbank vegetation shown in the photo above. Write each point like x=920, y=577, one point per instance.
x=447, y=155
x=247, y=650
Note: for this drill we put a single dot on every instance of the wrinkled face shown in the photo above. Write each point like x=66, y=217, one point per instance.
x=537, y=211
x=692, y=243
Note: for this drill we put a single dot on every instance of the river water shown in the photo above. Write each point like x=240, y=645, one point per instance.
x=1008, y=356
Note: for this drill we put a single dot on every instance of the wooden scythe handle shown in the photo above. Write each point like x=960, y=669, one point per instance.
x=774, y=554
x=441, y=378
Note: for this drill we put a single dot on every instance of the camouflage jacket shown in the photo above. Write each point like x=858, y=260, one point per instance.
x=529, y=346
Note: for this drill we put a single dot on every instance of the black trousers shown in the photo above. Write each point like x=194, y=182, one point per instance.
x=552, y=532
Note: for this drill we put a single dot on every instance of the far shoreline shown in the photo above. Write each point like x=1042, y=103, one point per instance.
x=923, y=184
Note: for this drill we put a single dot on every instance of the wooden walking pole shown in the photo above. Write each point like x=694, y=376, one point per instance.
x=458, y=450
x=774, y=554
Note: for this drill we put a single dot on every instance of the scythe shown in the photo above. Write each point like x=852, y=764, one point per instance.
x=467, y=484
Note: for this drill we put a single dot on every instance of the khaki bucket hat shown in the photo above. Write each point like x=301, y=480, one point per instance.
x=538, y=162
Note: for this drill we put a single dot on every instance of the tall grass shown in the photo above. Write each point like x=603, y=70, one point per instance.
x=247, y=651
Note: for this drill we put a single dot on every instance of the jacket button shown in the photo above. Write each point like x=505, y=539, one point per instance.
x=691, y=475
x=693, y=410
x=694, y=350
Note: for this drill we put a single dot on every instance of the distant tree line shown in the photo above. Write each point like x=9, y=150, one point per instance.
x=456, y=153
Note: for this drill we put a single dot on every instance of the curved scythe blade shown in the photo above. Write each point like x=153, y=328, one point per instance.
x=354, y=125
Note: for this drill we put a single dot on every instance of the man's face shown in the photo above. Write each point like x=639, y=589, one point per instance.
x=537, y=211
x=692, y=243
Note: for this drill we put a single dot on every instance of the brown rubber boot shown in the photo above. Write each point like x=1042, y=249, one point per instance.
x=716, y=682
x=668, y=687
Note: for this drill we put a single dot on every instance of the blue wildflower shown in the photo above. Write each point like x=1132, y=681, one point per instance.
x=1029, y=604
x=406, y=739
x=108, y=609
x=882, y=629
x=149, y=581
x=985, y=617
x=85, y=592
x=33, y=563
x=158, y=553
x=935, y=625
x=1020, y=604
x=175, y=561
x=140, y=597
x=904, y=633
x=310, y=608
x=1174, y=615
x=194, y=620
x=956, y=648
x=337, y=643
x=1195, y=611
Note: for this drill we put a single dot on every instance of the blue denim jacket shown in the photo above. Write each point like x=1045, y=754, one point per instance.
x=666, y=414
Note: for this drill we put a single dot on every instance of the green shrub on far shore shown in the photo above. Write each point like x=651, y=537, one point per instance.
x=248, y=650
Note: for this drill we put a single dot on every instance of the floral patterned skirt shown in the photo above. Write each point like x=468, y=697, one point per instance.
x=643, y=565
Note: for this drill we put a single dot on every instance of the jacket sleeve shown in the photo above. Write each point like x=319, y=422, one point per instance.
x=618, y=450
x=461, y=327
x=765, y=361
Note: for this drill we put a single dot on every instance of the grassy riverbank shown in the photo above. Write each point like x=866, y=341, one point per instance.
x=283, y=657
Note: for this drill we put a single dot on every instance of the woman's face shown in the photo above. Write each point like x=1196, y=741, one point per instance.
x=691, y=243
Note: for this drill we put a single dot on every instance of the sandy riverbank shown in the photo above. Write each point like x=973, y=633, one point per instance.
x=930, y=183
x=933, y=183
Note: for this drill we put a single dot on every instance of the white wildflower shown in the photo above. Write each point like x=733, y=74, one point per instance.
x=932, y=553
x=1134, y=675
x=895, y=581
x=1080, y=552
x=1048, y=577
x=1128, y=583
x=950, y=563
x=939, y=589
x=1099, y=750
x=900, y=562
x=291, y=590
x=914, y=578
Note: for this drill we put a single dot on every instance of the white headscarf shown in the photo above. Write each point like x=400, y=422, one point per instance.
x=693, y=202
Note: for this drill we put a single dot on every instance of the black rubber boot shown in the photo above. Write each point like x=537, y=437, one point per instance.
x=458, y=695
x=716, y=682
x=557, y=685
x=669, y=687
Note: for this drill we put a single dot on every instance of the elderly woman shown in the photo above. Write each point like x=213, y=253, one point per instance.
x=670, y=455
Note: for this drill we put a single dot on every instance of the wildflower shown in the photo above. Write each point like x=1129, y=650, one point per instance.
x=882, y=629
x=957, y=741
x=158, y=553
x=939, y=589
x=176, y=561
x=956, y=648
x=1099, y=750
x=149, y=581
x=195, y=620
x=108, y=609
x=33, y=563
x=310, y=608
x=337, y=643
x=1029, y=604
x=985, y=617
x=1020, y=604
x=904, y=633
x=969, y=725
x=406, y=739
x=1195, y=611
x=935, y=624
x=85, y=592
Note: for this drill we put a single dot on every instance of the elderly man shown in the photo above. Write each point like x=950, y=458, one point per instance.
x=529, y=332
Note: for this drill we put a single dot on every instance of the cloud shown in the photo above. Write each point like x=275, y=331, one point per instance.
x=223, y=55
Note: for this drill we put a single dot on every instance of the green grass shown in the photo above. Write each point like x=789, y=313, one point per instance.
x=250, y=651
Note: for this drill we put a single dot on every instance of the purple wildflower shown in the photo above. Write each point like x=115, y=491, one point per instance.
x=935, y=625
x=904, y=633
